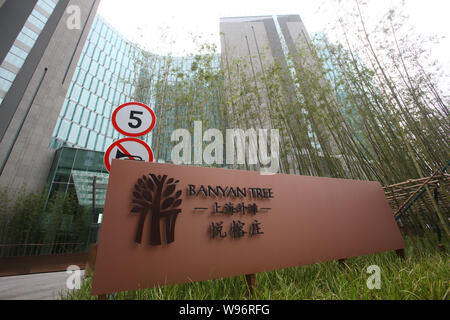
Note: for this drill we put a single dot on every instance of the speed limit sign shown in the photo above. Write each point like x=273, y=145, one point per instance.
x=134, y=119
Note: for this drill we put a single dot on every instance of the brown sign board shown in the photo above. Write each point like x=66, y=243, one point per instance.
x=226, y=223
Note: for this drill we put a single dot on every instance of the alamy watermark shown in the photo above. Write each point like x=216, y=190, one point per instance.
x=74, y=279
x=73, y=22
x=374, y=281
x=242, y=147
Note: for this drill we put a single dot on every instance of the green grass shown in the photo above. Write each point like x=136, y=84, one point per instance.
x=424, y=274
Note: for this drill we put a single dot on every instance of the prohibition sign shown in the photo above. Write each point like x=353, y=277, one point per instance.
x=133, y=119
x=128, y=149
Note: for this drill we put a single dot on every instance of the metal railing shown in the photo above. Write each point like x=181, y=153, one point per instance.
x=38, y=249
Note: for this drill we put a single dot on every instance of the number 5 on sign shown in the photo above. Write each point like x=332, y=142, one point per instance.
x=134, y=119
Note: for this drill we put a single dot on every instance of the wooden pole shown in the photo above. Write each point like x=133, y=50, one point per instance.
x=94, y=194
x=401, y=253
x=439, y=176
x=342, y=262
x=92, y=255
x=251, y=282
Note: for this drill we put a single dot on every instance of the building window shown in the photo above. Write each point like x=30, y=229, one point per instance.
x=74, y=132
x=7, y=75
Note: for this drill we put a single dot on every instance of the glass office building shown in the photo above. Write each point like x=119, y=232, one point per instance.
x=103, y=80
x=112, y=71
x=107, y=75
x=25, y=41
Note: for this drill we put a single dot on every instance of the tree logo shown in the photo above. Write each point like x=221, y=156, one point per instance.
x=156, y=194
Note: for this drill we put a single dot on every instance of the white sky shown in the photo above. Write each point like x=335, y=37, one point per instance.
x=146, y=22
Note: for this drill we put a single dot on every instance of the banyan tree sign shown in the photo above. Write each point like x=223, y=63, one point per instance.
x=167, y=224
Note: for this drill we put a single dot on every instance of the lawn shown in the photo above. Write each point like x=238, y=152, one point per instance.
x=423, y=274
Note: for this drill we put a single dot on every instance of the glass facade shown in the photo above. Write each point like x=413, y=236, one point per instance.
x=25, y=41
x=74, y=170
x=81, y=174
x=103, y=80
x=112, y=71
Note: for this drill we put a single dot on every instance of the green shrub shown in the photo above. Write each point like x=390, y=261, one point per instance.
x=31, y=223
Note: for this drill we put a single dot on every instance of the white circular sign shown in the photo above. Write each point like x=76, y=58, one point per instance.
x=134, y=119
x=128, y=149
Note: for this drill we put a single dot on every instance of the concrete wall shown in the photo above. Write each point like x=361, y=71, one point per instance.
x=250, y=45
x=37, y=95
x=2, y=2
x=246, y=49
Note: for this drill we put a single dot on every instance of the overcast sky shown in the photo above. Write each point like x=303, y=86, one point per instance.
x=145, y=21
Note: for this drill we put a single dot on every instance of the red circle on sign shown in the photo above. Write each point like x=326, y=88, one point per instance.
x=115, y=144
x=139, y=134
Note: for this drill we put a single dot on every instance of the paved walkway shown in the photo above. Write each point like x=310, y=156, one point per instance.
x=44, y=286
